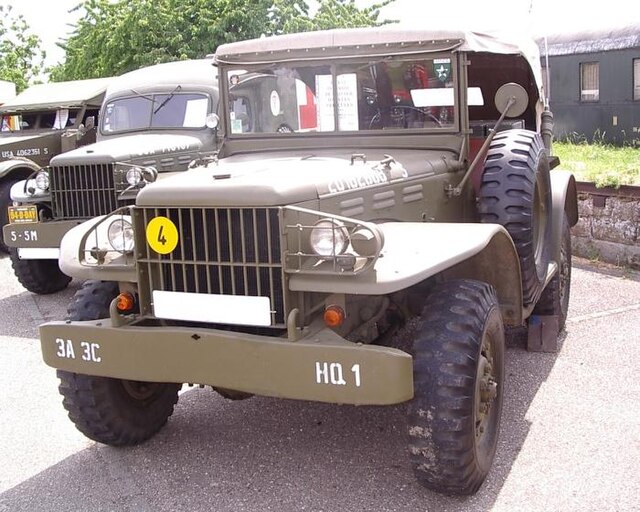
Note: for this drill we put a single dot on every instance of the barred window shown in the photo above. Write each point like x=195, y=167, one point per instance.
x=636, y=79
x=589, y=81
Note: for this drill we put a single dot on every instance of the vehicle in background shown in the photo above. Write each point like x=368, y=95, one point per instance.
x=154, y=122
x=40, y=123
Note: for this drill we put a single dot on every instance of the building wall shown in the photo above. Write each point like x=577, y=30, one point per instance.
x=615, y=116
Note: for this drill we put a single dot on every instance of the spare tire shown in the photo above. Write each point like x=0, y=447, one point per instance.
x=515, y=192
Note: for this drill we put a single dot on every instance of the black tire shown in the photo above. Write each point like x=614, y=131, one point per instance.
x=555, y=297
x=92, y=300
x=116, y=412
x=454, y=417
x=39, y=276
x=5, y=202
x=515, y=192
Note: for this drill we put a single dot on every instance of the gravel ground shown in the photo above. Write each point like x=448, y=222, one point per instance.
x=570, y=431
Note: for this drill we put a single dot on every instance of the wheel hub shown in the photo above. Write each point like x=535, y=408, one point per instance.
x=139, y=390
x=487, y=388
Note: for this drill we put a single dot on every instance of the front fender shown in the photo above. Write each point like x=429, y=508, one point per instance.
x=413, y=252
x=21, y=193
x=77, y=243
x=9, y=166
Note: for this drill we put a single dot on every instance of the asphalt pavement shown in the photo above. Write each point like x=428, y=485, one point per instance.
x=570, y=435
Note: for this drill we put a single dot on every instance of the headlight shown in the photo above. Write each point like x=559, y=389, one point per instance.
x=42, y=180
x=329, y=237
x=134, y=176
x=120, y=235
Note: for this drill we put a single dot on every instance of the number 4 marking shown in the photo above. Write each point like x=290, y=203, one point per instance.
x=161, y=238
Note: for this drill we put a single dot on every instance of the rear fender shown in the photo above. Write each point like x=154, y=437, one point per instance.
x=564, y=200
x=413, y=252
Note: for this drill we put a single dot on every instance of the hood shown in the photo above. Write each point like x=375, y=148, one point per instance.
x=279, y=179
x=148, y=148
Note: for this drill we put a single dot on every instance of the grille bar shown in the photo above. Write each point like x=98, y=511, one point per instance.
x=227, y=251
x=84, y=191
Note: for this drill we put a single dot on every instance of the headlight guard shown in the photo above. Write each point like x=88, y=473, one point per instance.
x=120, y=235
x=317, y=243
x=109, y=241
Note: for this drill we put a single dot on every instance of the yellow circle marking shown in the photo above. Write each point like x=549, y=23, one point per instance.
x=162, y=235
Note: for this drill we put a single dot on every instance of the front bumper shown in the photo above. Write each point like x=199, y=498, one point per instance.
x=37, y=235
x=322, y=367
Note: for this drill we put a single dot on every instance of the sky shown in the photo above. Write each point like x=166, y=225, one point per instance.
x=50, y=19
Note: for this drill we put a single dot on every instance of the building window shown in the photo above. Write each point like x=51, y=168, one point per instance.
x=636, y=79
x=589, y=81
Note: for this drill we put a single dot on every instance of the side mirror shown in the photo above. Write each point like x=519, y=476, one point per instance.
x=511, y=99
x=212, y=121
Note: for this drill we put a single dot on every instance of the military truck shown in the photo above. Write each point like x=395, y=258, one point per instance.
x=38, y=124
x=154, y=122
x=371, y=253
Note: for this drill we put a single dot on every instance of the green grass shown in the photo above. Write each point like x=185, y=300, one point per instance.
x=603, y=164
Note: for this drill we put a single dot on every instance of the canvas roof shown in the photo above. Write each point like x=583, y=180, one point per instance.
x=379, y=41
x=58, y=95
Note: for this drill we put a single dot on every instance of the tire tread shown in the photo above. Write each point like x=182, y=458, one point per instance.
x=97, y=405
x=440, y=416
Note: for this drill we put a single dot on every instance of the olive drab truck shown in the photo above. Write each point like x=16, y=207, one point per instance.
x=38, y=124
x=381, y=208
x=154, y=122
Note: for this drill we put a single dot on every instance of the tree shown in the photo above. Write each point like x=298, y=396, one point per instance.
x=114, y=37
x=21, y=58
x=293, y=17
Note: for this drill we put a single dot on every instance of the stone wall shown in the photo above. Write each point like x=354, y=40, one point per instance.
x=608, y=228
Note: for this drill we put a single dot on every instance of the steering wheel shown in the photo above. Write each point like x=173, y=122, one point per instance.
x=377, y=117
x=284, y=128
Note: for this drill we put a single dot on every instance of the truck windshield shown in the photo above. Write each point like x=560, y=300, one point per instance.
x=166, y=110
x=389, y=94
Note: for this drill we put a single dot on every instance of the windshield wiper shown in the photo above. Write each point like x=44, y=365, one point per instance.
x=140, y=95
x=171, y=95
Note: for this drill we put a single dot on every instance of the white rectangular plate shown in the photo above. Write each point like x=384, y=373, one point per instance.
x=203, y=307
x=38, y=253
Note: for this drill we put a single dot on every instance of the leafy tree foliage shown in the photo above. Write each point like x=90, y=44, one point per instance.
x=293, y=17
x=115, y=37
x=21, y=58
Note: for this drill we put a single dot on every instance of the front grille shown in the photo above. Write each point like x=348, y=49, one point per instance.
x=229, y=251
x=84, y=191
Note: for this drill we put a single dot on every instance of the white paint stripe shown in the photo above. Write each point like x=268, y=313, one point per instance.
x=602, y=314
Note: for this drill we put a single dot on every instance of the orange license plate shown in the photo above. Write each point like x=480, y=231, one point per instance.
x=22, y=214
